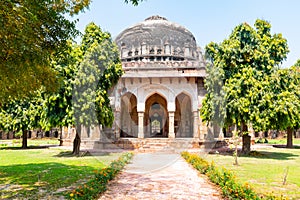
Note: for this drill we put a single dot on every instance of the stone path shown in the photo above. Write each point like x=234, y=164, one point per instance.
x=160, y=176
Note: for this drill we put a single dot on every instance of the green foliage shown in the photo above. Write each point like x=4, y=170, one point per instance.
x=21, y=115
x=98, y=71
x=31, y=32
x=280, y=101
x=297, y=64
x=225, y=179
x=59, y=111
x=98, y=184
x=86, y=73
x=133, y=2
x=241, y=69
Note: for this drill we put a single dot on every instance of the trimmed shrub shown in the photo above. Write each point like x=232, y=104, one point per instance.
x=231, y=189
x=97, y=185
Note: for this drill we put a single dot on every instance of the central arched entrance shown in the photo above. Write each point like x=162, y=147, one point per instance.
x=156, y=117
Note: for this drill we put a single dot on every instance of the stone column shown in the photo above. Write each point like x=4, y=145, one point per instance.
x=195, y=124
x=141, y=125
x=117, y=124
x=171, y=125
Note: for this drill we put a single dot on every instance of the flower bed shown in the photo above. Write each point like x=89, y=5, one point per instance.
x=97, y=185
x=224, y=178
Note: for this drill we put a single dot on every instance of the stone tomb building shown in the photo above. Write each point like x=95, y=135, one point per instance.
x=160, y=93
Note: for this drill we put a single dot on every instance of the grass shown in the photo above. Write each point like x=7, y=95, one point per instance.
x=40, y=173
x=266, y=169
x=30, y=142
x=296, y=141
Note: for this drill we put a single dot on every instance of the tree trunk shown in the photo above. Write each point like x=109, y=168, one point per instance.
x=246, y=148
x=289, y=143
x=246, y=140
x=24, y=139
x=60, y=137
x=77, y=141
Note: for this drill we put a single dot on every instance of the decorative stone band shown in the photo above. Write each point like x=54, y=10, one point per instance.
x=164, y=64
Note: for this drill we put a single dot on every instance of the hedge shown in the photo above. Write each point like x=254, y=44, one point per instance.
x=98, y=184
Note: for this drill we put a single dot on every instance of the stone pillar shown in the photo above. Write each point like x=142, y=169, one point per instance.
x=117, y=124
x=195, y=124
x=144, y=48
x=167, y=48
x=171, y=125
x=141, y=125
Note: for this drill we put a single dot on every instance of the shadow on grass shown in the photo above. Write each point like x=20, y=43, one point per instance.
x=258, y=154
x=284, y=146
x=34, y=181
x=271, y=155
x=81, y=154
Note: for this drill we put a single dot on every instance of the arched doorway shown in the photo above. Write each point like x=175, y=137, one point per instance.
x=129, y=116
x=156, y=117
x=183, y=122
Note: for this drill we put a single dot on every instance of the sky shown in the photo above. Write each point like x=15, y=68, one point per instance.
x=208, y=20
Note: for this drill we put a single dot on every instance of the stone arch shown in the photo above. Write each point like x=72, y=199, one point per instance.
x=156, y=112
x=129, y=115
x=192, y=95
x=148, y=90
x=183, y=120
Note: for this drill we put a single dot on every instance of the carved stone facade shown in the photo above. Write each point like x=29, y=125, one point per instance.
x=161, y=91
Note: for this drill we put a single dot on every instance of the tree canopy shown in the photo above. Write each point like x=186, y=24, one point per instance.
x=241, y=66
x=22, y=115
x=240, y=62
x=30, y=33
x=98, y=68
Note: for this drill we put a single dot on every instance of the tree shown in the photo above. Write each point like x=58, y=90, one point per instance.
x=242, y=62
x=99, y=69
x=59, y=111
x=30, y=33
x=22, y=115
x=280, y=104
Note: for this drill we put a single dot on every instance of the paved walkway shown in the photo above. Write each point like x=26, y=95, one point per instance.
x=160, y=176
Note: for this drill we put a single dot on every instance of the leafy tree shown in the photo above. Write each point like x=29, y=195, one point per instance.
x=30, y=33
x=58, y=110
x=98, y=71
x=280, y=104
x=242, y=62
x=22, y=115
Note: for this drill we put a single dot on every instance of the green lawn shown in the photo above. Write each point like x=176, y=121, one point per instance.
x=283, y=141
x=40, y=173
x=266, y=170
x=30, y=142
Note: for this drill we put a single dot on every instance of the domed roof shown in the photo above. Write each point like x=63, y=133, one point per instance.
x=156, y=37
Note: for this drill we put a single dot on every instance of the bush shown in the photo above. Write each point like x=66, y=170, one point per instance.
x=224, y=178
x=97, y=185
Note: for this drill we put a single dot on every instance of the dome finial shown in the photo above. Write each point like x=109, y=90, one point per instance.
x=155, y=17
